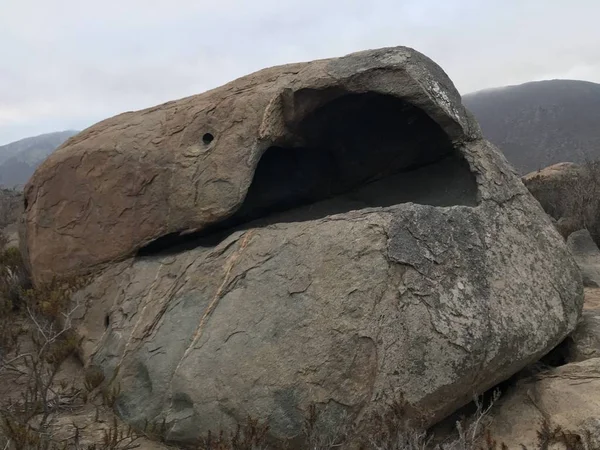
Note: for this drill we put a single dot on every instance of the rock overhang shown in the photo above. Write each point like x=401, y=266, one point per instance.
x=188, y=165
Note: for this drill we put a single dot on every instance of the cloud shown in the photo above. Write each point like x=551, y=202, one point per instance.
x=67, y=63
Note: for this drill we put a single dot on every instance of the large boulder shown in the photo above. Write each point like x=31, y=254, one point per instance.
x=334, y=233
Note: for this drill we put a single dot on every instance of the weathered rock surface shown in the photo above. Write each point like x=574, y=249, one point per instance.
x=567, y=397
x=11, y=209
x=352, y=311
x=584, y=342
x=553, y=187
x=359, y=244
x=188, y=164
x=587, y=255
x=568, y=193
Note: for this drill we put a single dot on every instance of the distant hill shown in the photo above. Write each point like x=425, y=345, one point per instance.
x=18, y=160
x=541, y=123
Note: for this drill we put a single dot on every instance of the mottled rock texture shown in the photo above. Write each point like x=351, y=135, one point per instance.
x=565, y=397
x=586, y=254
x=570, y=194
x=343, y=237
x=188, y=164
x=11, y=209
x=584, y=342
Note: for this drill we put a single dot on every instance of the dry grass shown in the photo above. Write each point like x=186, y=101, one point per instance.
x=251, y=436
x=36, y=338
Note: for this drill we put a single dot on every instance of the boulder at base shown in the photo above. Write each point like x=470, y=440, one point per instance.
x=586, y=254
x=554, y=187
x=11, y=209
x=334, y=233
x=568, y=193
x=567, y=397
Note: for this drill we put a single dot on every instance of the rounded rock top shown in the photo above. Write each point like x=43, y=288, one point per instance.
x=187, y=165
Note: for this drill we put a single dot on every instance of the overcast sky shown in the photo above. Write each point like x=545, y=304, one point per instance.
x=66, y=64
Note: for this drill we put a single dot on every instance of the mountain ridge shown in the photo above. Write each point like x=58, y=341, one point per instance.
x=540, y=123
x=19, y=159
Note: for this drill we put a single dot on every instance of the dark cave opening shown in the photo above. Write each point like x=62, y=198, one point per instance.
x=358, y=151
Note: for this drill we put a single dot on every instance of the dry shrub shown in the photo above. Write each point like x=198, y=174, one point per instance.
x=13, y=275
x=323, y=433
x=392, y=430
x=250, y=436
x=27, y=418
x=51, y=300
x=549, y=436
x=13, y=280
x=119, y=438
x=44, y=316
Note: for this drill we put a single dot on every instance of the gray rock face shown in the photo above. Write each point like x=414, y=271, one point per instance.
x=393, y=256
x=584, y=342
x=587, y=256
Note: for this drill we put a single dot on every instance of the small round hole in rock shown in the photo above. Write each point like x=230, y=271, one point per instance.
x=207, y=138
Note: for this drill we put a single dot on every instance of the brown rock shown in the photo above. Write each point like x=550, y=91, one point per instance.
x=569, y=194
x=584, y=342
x=586, y=254
x=565, y=397
x=359, y=244
x=188, y=164
x=553, y=188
